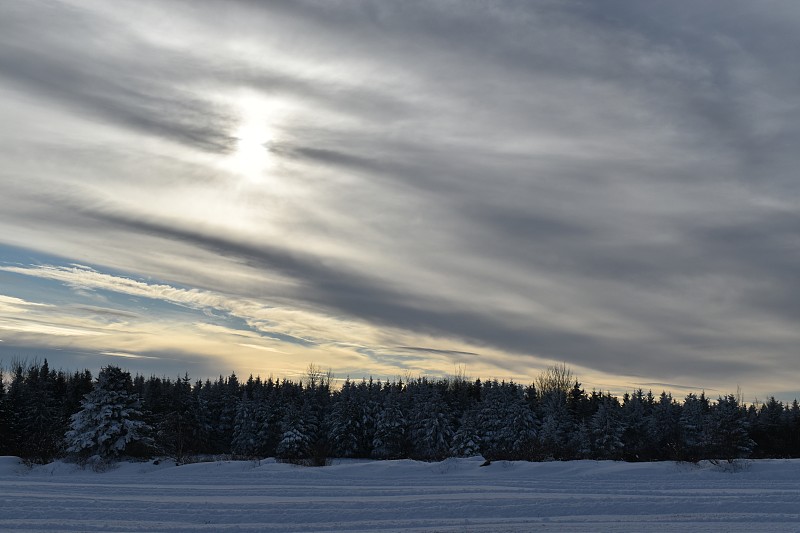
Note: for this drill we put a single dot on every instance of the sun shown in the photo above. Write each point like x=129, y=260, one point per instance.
x=251, y=158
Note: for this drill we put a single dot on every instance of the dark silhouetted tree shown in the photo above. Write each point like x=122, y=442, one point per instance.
x=727, y=430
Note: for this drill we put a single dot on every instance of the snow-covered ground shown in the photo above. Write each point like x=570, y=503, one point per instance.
x=455, y=495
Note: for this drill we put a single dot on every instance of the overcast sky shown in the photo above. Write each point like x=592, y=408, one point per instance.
x=405, y=188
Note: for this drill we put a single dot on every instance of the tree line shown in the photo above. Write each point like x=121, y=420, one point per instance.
x=47, y=414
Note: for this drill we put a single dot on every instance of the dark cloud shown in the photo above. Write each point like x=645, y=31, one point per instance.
x=434, y=350
x=135, y=91
x=104, y=311
x=341, y=289
x=673, y=386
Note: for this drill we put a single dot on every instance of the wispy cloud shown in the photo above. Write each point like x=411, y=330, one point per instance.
x=45, y=329
x=259, y=347
x=303, y=335
x=128, y=355
x=11, y=304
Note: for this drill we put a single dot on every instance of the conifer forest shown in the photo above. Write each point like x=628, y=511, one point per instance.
x=47, y=414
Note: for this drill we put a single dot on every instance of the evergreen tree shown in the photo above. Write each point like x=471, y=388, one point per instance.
x=17, y=400
x=296, y=440
x=246, y=430
x=520, y=434
x=557, y=426
x=43, y=433
x=532, y=397
x=466, y=439
x=793, y=430
x=578, y=404
x=665, y=431
x=492, y=417
x=255, y=430
x=178, y=429
x=728, y=433
x=268, y=416
x=390, y=430
x=507, y=425
x=431, y=431
x=694, y=428
x=221, y=402
x=346, y=423
x=770, y=430
x=109, y=423
x=78, y=385
x=365, y=400
x=371, y=397
x=607, y=430
x=315, y=412
x=581, y=442
x=4, y=418
x=637, y=442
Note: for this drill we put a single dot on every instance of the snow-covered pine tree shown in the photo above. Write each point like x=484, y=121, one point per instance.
x=557, y=426
x=581, y=441
x=256, y=425
x=607, y=429
x=431, y=431
x=694, y=428
x=506, y=423
x=4, y=422
x=391, y=428
x=299, y=431
x=245, y=430
x=491, y=418
x=295, y=441
x=315, y=415
x=635, y=414
x=370, y=396
x=519, y=435
x=109, y=423
x=346, y=423
x=466, y=440
x=665, y=426
x=221, y=402
x=268, y=416
x=223, y=430
x=203, y=417
x=728, y=434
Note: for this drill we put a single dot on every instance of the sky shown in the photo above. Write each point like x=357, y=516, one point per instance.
x=397, y=189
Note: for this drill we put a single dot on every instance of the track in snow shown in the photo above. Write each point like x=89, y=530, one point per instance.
x=455, y=495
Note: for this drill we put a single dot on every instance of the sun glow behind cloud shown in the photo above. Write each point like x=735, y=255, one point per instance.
x=252, y=159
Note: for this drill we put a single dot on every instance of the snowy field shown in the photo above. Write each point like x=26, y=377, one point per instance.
x=455, y=495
